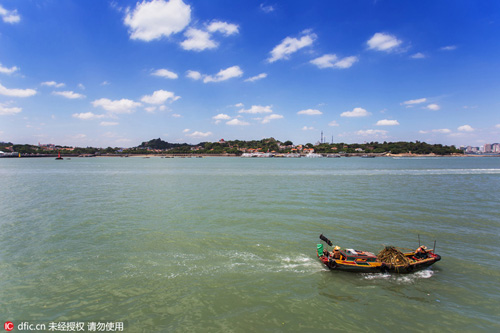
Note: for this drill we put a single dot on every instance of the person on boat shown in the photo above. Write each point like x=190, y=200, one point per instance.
x=421, y=252
x=336, y=253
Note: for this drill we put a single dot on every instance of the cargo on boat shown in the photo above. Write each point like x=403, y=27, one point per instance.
x=388, y=260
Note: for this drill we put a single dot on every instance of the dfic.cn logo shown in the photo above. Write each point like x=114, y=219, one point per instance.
x=8, y=326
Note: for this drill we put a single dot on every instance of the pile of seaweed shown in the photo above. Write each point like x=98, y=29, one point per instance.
x=391, y=255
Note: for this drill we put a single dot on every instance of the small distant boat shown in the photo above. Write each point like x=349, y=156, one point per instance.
x=333, y=156
x=368, y=156
x=351, y=260
x=59, y=156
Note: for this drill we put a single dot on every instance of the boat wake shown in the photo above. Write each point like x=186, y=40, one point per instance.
x=400, y=279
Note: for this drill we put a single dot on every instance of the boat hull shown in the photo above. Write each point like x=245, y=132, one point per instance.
x=379, y=267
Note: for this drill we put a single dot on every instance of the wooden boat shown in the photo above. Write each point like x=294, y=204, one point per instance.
x=351, y=260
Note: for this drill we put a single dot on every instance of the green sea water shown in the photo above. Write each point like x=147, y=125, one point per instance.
x=228, y=244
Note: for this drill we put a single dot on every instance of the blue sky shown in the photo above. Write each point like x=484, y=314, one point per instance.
x=117, y=73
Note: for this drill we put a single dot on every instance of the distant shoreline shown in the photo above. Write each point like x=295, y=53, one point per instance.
x=408, y=155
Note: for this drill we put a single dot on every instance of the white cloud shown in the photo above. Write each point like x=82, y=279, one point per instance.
x=159, y=97
x=356, y=112
x=257, y=109
x=224, y=74
x=310, y=112
x=68, y=94
x=108, y=123
x=414, y=101
x=176, y=115
x=387, y=122
x=81, y=86
x=466, y=128
x=220, y=117
x=448, y=48
x=105, y=83
x=193, y=75
x=371, y=132
x=497, y=125
x=383, y=42
x=331, y=61
x=198, y=134
x=8, y=111
x=186, y=130
x=116, y=106
x=306, y=128
x=16, y=92
x=290, y=45
x=6, y=70
x=9, y=16
x=418, y=55
x=150, y=109
x=154, y=19
x=239, y=105
x=237, y=122
x=88, y=116
x=270, y=117
x=256, y=77
x=442, y=131
x=433, y=107
x=52, y=84
x=333, y=123
x=197, y=40
x=165, y=73
x=223, y=27
x=266, y=9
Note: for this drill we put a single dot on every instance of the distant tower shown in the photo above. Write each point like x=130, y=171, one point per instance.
x=321, y=137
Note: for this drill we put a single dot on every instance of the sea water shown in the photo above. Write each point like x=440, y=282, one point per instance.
x=229, y=244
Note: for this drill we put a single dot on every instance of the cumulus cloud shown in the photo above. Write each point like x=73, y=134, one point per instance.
x=237, y=122
x=198, y=134
x=307, y=128
x=193, y=75
x=154, y=19
x=270, y=117
x=9, y=16
x=310, y=112
x=418, y=55
x=52, y=84
x=9, y=111
x=108, y=123
x=165, y=73
x=411, y=102
x=356, y=112
x=6, y=70
x=266, y=9
x=387, y=122
x=448, y=48
x=116, y=106
x=223, y=27
x=442, y=131
x=433, y=107
x=333, y=123
x=159, y=97
x=371, y=132
x=289, y=46
x=224, y=74
x=256, y=77
x=198, y=40
x=332, y=61
x=16, y=92
x=466, y=128
x=68, y=94
x=88, y=116
x=257, y=109
x=383, y=42
x=221, y=116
